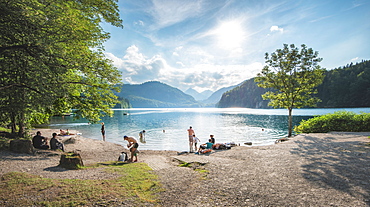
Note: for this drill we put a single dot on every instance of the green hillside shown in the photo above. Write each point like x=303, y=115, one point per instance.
x=155, y=94
x=342, y=87
x=347, y=86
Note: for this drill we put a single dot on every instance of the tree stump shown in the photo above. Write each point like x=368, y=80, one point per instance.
x=21, y=146
x=71, y=160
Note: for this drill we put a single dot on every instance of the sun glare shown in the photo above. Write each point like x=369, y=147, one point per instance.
x=230, y=35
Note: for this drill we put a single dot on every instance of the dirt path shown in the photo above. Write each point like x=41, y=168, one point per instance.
x=330, y=169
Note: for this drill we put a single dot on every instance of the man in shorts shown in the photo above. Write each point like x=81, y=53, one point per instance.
x=191, y=139
x=132, y=145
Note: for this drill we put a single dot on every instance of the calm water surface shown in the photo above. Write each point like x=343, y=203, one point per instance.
x=166, y=129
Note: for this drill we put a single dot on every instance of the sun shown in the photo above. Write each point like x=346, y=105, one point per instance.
x=230, y=35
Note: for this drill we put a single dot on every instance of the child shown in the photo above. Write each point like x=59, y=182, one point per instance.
x=195, y=140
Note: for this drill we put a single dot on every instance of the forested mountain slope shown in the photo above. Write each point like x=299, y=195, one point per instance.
x=247, y=95
x=347, y=86
x=156, y=94
x=343, y=87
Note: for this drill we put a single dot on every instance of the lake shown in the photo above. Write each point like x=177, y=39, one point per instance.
x=166, y=128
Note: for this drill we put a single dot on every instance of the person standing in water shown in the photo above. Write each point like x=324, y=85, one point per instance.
x=191, y=139
x=142, y=136
x=103, y=130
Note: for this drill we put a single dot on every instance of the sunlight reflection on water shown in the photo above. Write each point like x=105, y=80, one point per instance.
x=239, y=125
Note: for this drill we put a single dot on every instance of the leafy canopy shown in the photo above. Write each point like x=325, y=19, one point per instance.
x=293, y=74
x=51, y=59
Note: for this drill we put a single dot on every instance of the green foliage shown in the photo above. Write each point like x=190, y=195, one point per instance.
x=51, y=59
x=124, y=103
x=293, y=75
x=338, y=121
x=347, y=86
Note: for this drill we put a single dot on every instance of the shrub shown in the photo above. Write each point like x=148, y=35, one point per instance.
x=338, y=121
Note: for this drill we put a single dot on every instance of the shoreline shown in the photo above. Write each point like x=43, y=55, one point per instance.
x=321, y=169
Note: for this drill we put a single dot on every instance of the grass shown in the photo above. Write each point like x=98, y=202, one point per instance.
x=137, y=185
x=196, y=166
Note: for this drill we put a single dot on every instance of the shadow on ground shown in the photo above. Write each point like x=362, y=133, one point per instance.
x=344, y=166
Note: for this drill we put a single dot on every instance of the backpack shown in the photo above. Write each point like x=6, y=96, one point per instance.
x=122, y=157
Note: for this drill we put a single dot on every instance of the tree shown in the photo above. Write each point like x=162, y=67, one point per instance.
x=293, y=75
x=51, y=60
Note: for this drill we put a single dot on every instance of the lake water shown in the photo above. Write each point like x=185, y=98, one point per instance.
x=166, y=128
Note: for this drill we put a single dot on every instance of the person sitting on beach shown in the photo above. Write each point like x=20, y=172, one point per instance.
x=55, y=144
x=220, y=146
x=39, y=141
x=212, y=139
x=132, y=145
x=62, y=132
x=207, y=147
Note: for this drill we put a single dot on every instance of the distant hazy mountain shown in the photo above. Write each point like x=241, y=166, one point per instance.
x=216, y=96
x=199, y=96
x=155, y=94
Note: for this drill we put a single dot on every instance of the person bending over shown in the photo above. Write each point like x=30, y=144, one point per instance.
x=132, y=145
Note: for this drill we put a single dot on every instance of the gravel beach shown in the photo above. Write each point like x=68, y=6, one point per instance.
x=324, y=169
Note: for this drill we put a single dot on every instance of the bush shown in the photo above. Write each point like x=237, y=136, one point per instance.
x=344, y=121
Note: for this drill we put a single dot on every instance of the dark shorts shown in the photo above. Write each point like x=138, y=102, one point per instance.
x=136, y=145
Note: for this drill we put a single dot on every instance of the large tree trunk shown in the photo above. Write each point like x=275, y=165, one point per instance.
x=13, y=124
x=21, y=125
x=290, y=125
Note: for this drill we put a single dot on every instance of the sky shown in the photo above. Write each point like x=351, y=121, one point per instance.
x=211, y=44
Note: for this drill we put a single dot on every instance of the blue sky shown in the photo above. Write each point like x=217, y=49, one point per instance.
x=210, y=44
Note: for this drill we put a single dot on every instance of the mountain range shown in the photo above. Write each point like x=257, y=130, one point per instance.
x=154, y=94
x=199, y=96
x=347, y=86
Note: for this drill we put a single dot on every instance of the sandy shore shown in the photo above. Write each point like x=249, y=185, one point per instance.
x=327, y=169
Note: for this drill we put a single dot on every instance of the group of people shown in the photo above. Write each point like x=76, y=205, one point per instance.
x=41, y=142
x=193, y=141
x=206, y=147
x=132, y=143
x=64, y=133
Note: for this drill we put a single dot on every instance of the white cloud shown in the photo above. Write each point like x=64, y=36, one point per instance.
x=139, y=23
x=276, y=29
x=167, y=13
x=354, y=59
x=180, y=63
x=137, y=68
